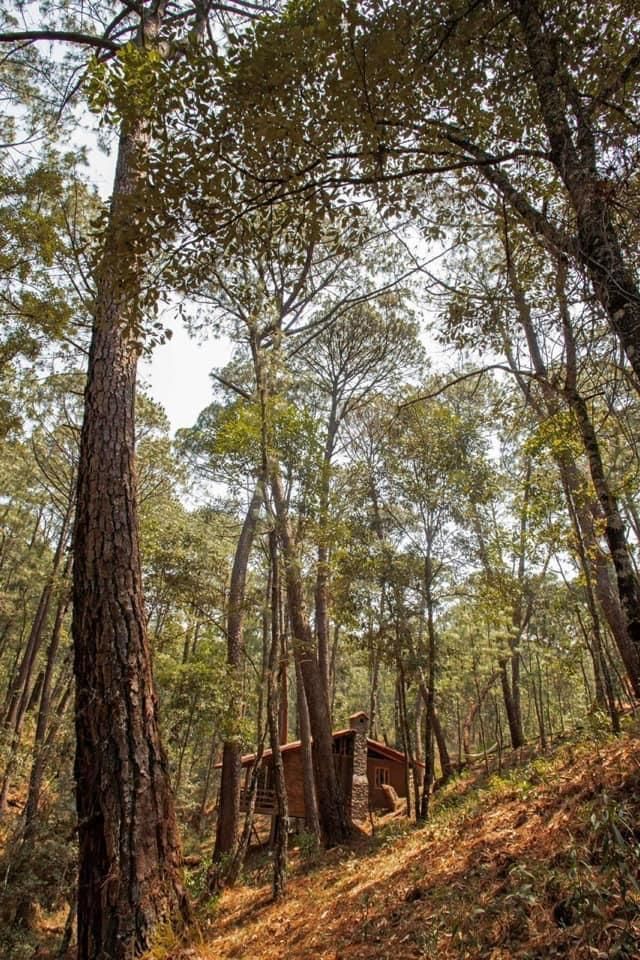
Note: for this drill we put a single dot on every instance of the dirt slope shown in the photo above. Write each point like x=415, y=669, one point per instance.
x=540, y=862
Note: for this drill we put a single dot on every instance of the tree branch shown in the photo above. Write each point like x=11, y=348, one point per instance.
x=63, y=36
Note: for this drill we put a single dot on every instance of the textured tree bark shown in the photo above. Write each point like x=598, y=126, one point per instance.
x=573, y=153
x=231, y=779
x=312, y=821
x=322, y=564
x=42, y=723
x=472, y=712
x=513, y=719
x=21, y=690
x=282, y=820
x=615, y=532
x=129, y=854
x=587, y=513
x=334, y=821
x=128, y=845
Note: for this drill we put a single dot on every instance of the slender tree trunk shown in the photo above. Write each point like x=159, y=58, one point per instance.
x=282, y=819
x=312, y=821
x=472, y=713
x=322, y=563
x=573, y=154
x=623, y=627
x=45, y=728
x=334, y=820
x=231, y=778
x=283, y=680
x=43, y=721
x=207, y=783
x=446, y=767
x=615, y=533
x=20, y=690
x=515, y=729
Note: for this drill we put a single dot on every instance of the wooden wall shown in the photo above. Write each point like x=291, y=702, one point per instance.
x=396, y=779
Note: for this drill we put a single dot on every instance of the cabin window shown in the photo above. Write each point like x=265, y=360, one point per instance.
x=343, y=746
x=381, y=776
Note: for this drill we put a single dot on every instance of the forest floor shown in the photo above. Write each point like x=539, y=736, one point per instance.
x=537, y=862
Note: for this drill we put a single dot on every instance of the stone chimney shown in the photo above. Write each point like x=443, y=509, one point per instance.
x=359, y=723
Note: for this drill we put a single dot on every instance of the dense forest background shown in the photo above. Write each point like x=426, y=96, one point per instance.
x=414, y=491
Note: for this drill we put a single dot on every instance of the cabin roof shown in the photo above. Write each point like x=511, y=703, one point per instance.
x=390, y=753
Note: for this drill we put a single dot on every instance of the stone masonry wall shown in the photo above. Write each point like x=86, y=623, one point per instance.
x=359, y=723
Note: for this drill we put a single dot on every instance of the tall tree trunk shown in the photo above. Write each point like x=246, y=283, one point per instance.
x=334, y=820
x=587, y=514
x=615, y=533
x=312, y=820
x=282, y=820
x=129, y=853
x=513, y=718
x=572, y=142
x=19, y=693
x=322, y=563
x=42, y=723
x=21, y=690
x=231, y=779
x=429, y=731
x=45, y=728
x=446, y=767
x=472, y=712
x=202, y=810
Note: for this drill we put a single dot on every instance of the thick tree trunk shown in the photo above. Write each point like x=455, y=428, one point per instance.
x=231, y=779
x=129, y=854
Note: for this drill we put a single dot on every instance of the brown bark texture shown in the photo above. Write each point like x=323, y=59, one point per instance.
x=334, y=821
x=231, y=779
x=573, y=151
x=129, y=854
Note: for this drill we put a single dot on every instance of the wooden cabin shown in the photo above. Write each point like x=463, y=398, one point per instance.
x=364, y=765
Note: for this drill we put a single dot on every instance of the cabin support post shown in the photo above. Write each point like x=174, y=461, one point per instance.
x=359, y=723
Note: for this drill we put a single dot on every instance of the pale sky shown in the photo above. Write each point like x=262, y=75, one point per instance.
x=177, y=374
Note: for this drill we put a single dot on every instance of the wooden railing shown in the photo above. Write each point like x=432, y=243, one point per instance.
x=265, y=800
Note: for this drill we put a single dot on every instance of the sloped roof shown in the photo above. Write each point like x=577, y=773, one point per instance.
x=389, y=752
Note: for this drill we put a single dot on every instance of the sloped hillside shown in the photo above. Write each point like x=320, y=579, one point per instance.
x=538, y=862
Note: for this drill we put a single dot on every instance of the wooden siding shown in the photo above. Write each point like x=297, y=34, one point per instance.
x=343, y=759
x=396, y=778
